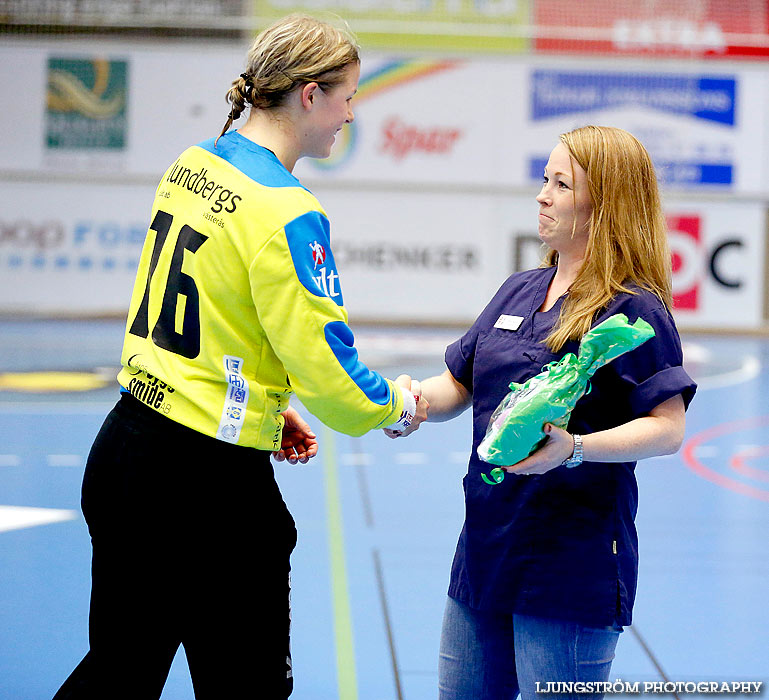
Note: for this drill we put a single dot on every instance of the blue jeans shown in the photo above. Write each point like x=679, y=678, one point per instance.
x=495, y=656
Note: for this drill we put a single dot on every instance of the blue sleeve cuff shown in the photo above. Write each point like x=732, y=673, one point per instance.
x=660, y=387
x=341, y=341
x=460, y=367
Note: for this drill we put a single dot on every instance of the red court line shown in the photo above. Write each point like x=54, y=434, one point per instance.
x=705, y=472
x=739, y=463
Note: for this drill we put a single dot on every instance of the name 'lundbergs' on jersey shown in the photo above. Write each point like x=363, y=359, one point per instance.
x=203, y=186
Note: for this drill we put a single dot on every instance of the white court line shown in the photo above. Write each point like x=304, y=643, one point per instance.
x=19, y=517
x=65, y=460
x=364, y=459
x=707, y=451
x=751, y=367
x=411, y=458
x=748, y=449
x=10, y=460
x=356, y=459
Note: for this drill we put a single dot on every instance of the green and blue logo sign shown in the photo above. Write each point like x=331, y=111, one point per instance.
x=86, y=104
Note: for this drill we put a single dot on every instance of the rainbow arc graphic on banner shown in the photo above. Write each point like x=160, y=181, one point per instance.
x=388, y=76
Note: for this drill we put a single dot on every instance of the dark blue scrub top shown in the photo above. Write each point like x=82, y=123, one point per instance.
x=563, y=544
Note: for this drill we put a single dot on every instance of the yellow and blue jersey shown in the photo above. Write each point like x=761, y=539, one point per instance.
x=237, y=304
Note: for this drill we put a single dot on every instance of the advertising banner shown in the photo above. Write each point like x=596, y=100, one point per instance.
x=146, y=18
x=101, y=112
x=719, y=253
x=86, y=118
x=410, y=126
x=91, y=109
x=404, y=25
x=685, y=29
x=74, y=249
x=422, y=257
x=416, y=187
x=86, y=104
x=419, y=256
x=703, y=131
x=70, y=249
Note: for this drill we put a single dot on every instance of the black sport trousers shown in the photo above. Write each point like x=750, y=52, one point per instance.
x=191, y=543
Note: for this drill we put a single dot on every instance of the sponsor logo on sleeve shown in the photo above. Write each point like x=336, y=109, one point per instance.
x=236, y=398
x=327, y=278
x=318, y=254
x=308, y=241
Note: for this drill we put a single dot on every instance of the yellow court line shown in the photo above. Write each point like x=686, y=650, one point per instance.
x=345, y=648
x=49, y=382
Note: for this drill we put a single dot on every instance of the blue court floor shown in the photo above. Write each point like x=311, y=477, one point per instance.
x=378, y=521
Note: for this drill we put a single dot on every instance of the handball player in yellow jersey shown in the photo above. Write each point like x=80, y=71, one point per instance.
x=237, y=305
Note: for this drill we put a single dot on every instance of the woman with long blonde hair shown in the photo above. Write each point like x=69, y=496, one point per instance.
x=545, y=570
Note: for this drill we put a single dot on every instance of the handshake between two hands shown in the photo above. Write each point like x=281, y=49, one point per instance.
x=300, y=444
x=423, y=406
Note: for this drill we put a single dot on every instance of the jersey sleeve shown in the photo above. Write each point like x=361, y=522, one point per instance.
x=296, y=289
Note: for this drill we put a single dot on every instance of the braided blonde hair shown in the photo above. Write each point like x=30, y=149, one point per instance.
x=296, y=50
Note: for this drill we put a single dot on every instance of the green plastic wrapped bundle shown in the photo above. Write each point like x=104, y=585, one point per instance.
x=515, y=427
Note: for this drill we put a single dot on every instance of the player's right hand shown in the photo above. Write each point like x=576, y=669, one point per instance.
x=423, y=406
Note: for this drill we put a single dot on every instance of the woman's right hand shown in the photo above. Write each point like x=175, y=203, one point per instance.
x=423, y=406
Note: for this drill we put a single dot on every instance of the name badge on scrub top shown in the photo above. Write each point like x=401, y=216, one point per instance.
x=509, y=323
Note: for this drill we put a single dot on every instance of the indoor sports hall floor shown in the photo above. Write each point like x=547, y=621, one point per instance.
x=378, y=520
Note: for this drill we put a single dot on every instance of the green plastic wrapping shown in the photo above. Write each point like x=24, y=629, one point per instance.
x=515, y=427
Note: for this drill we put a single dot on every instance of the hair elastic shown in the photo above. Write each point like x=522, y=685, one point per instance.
x=248, y=88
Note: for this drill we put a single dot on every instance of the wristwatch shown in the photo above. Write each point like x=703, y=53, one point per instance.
x=576, y=457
